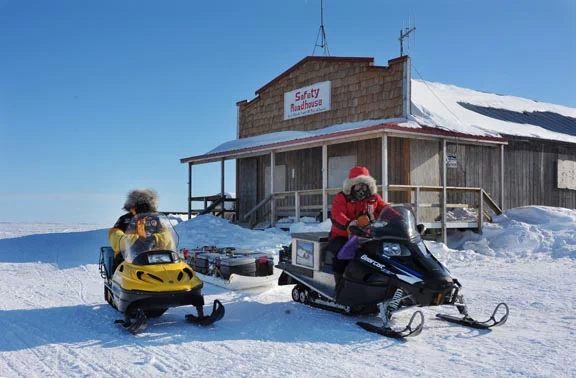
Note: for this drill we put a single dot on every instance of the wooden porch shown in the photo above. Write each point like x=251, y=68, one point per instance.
x=479, y=206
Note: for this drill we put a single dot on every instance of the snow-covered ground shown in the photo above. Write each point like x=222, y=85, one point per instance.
x=54, y=321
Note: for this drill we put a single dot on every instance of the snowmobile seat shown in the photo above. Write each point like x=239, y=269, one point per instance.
x=106, y=260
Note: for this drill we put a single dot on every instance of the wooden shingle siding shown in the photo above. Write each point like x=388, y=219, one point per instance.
x=360, y=91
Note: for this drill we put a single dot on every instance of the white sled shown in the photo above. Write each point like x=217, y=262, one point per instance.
x=238, y=282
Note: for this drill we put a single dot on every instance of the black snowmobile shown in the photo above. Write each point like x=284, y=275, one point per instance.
x=390, y=269
x=153, y=276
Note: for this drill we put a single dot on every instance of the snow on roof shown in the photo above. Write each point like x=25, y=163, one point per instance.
x=285, y=136
x=449, y=108
x=445, y=106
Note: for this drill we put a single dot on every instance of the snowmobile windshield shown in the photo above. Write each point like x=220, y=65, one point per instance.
x=149, y=232
x=395, y=221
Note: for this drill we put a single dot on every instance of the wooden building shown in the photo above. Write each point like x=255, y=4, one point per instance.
x=304, y=130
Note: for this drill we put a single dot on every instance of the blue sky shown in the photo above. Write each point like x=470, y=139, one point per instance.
x=99, y=97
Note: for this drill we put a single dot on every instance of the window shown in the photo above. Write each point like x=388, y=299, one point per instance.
x=279, y=179
x=338, y=169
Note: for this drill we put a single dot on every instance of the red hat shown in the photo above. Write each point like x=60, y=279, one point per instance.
x=358, y=171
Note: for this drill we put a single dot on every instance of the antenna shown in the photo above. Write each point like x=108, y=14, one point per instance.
x=405, y=33
x=322, y=33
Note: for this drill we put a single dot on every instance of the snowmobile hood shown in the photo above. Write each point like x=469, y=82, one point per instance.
x=171, y=277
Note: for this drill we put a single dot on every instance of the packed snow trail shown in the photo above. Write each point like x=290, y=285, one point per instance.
x=265, y=334
x=55, y=322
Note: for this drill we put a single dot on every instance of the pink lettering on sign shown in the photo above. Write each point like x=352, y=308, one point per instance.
x=313, y=93
x=305, y=105
x=307, y=100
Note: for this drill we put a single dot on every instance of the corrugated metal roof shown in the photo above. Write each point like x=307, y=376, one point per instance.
x=548, y=120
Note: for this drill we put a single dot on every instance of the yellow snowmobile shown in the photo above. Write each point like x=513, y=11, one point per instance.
x=153, y=276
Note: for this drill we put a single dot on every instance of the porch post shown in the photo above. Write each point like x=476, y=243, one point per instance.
x=324, y=182
x=444, y=180
x=480, y=210
x=384, y=160
x=502, y=177
x=189, y=191
x=222, y=186
x=272, y=200
x=296, y=206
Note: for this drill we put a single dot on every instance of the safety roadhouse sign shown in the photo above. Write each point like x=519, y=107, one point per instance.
x=307, y=100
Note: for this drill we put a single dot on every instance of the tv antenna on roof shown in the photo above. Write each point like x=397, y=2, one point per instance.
x=405, y=33
x=322, y=33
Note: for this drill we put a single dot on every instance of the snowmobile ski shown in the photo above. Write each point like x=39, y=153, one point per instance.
x=139, y=323
x=408, y=331
x=217, y=314
x=470, y=322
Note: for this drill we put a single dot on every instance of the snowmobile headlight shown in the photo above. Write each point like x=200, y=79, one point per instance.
x=391, y=249
x=159, y=258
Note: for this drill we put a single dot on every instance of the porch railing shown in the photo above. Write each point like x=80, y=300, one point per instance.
x=291, y=204
x=216, y=205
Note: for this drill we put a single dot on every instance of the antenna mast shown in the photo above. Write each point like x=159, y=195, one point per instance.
x=322, y=33
x=405, y=33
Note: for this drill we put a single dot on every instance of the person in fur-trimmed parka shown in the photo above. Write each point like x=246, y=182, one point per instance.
x=138, y=201
x=358, y=197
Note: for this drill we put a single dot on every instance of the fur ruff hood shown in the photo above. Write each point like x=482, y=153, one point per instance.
x=360, y=175
x=143, y=200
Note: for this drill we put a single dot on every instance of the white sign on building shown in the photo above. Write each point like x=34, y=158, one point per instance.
x=451, y=161
x=307, y=100
x=566, y=174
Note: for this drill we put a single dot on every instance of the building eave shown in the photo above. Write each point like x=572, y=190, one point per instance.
x=392, y=128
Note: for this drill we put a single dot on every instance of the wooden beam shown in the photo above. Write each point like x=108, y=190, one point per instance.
x=324, y=182
x=258, y=206
x=222, y=177
x=297, y=206
x=502, y=177
x=417, y=205
x=189, y=191
x=273, y=203
x=430, y=188
x=384, y=160
x=444, y=200
x=480, y=209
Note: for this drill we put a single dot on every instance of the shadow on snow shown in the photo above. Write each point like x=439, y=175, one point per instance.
x=66, y=250
x=286, y=322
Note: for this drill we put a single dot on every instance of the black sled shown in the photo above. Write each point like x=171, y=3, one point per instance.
x=392, y=270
